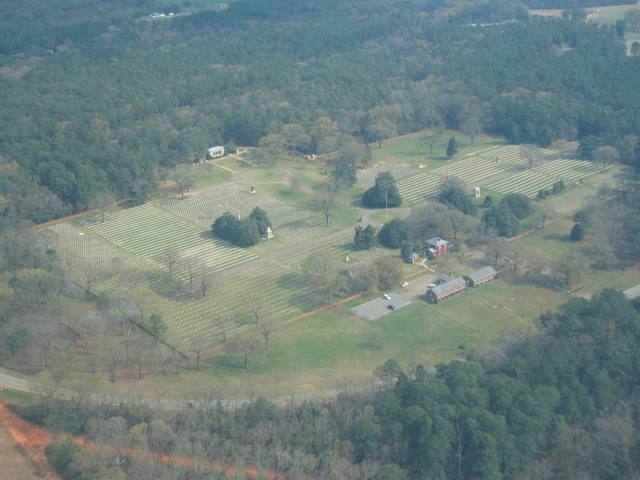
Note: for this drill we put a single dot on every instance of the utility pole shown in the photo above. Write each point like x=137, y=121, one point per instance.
x=386, y=204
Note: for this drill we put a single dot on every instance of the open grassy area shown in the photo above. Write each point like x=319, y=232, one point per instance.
x=606, y=14
x=334, y=349
x=415, y=148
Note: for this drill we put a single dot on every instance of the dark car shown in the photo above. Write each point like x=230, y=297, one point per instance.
x=391, y=307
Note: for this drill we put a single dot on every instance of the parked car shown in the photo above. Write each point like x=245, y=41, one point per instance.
x=391, y=306
x=386, y=296
x=431, y=285
x=404, y=284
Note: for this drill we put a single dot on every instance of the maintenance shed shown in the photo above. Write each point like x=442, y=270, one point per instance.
x=480, y=276
x=448, y=289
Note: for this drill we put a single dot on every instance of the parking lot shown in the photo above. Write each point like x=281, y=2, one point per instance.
x=379, y=307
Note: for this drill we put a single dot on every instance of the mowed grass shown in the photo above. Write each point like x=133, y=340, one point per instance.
x=414, y=148
x=336, y=348
x=603, y=15
x=553, y=244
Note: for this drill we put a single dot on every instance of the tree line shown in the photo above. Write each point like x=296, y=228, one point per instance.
x=367, y=72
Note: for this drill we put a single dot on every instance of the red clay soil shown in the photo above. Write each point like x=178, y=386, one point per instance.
x=33, y=440
x=30, y=438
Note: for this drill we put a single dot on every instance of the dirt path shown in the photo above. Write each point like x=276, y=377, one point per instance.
x=32, y=441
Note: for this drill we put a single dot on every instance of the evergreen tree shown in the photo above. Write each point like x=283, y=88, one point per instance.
x=452, y=147
x=577, y=233
x=383, y=194
x=364, y=237
x=393, y=233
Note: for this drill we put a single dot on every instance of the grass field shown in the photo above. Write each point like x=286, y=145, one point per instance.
x=604, y=15
x=542, y=177
x=333, y=348
x=473, y=169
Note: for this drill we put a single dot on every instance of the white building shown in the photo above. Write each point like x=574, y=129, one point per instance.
x=215, y=152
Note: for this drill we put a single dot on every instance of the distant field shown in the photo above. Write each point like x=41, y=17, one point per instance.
x=604, y=15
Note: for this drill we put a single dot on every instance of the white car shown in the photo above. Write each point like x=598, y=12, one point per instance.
x=404, y=284
x=386, y=296
x=431, y=285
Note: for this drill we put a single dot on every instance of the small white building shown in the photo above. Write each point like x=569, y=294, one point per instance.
x=215, y=152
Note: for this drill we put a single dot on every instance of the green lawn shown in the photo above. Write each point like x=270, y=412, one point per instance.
x=415, y=148
x=336, y=348
x=603, y=15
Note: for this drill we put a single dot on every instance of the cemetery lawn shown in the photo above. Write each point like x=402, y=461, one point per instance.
x=334, y=349
x=415, y=147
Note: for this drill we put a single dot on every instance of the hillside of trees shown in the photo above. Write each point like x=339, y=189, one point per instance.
x=122, y=98
x=562, y=404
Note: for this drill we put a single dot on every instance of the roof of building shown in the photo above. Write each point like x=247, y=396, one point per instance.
x=633, y=292
x=481, y=273
x=217, y=148
x=436, y=241
x=447, y=287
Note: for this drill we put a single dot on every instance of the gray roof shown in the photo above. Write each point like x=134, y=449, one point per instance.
x=445, y=288
x=481, y=273
x=436, y=241
x=633, y=292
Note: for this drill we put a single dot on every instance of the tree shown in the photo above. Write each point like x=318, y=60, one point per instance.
x=383, y=194
x=454, y=196
x=380, y=126
x=519, y=204
x=261, y=220
x=570, y=267
x=351, y=151
x=267, y=329
x=327, y=202
x=157, y=325
x=389, y=371
x=606, y=155
x=577, y=233
x=183, y=178
x=501, y=220
x=452, y=147
x=393, y=233
x=367, y=155
x=406, y=251
x=243, y=233
x=497, y=248
x=324, y=135
x=322, y=274
x=364, y=237
x=102, y=201
x=274, y=145
x=296, y=139
x=472, y=120
x=343, y=175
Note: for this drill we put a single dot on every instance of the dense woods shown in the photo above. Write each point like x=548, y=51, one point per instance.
x=119, y=97
x=564, y=402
